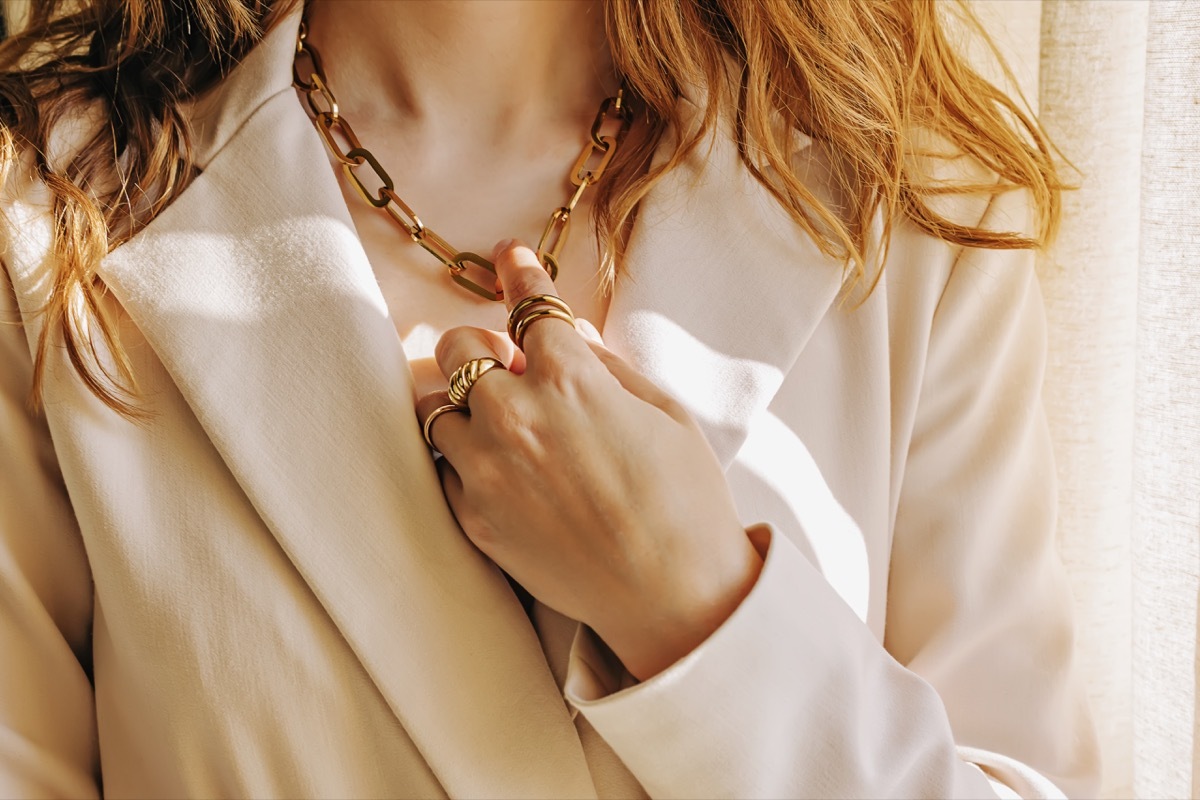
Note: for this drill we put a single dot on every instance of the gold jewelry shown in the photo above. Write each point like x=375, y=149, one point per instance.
x=520, y=308
x=534, y=316
x=326, y=116
x=533, y=308
x=463, y=378
x=427, y=428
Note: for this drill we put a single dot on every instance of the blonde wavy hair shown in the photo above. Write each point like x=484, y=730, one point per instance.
x=859, y=76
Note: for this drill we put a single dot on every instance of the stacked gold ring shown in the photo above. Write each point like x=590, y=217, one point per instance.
x=465, y=376
x=533, y=308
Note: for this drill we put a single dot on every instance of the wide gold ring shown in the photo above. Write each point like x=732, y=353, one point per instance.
x=463, y=378
x=427, y=428
x=533, y=308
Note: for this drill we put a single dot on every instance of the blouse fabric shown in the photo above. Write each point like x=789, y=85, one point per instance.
x=260, y=591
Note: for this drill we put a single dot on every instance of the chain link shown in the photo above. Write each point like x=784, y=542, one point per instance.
x=319, y=89
x=358, y=156
x=553, y=239
x=612, y=122
x=612, y=105
x=327, y=125
x=403, y=215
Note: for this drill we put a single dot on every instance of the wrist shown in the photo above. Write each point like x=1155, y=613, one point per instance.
x=682, y=613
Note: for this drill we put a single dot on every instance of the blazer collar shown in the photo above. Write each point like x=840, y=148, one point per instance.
x=259, y=300
x=265, y=72
x=721, y=288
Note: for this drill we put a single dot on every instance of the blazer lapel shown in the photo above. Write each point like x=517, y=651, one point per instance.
x=721, y=290
x=258, y=299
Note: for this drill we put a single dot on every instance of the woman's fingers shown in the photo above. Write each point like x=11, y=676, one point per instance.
x=588, y=331
x=459, y=345
x=630, y=379
x=546, y=339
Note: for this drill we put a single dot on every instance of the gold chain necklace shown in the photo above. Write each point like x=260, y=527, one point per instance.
x=605, y=138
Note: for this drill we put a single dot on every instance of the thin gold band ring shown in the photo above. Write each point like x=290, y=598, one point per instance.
x=427, y=428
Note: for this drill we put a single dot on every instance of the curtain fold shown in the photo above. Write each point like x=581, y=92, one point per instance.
x=1092, y=90
x=1118, y=93
x=1167, y=434
x=1116, y=85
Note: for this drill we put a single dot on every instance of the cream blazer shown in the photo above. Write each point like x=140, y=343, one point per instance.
x=260, y=592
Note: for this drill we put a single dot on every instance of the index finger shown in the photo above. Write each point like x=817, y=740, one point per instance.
x=521, y=276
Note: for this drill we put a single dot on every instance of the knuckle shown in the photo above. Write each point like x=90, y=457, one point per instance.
x=529, y=281
x=552, y=371
x=505, y=416
x=569, y=376
x=442, y=348
x=450, y=340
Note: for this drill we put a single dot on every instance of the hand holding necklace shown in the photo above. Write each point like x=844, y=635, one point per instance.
x=589, y=485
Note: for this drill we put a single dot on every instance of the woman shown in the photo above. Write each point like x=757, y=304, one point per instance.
x=231, y=565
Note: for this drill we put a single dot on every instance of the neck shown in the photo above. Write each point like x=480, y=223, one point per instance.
x=498, y=66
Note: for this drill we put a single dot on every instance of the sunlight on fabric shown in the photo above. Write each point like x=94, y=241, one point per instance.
x=721, y=390
x=422, y=338
x=780, y=460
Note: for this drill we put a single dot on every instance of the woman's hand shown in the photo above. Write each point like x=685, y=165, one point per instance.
x=590, y=486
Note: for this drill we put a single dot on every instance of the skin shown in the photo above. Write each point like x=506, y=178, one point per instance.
x=587, y=484
x=482, y=154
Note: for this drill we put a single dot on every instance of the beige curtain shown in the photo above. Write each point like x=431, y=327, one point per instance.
x=1116, y=83
x=1166, y=484
x=1092, y=78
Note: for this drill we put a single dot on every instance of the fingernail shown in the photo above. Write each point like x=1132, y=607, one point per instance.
x=501, y=246
x=588, y=330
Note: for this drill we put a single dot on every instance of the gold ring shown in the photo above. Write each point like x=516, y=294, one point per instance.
x=465, y=376
x=427, y=428
x=535, y=307
x=514, y=316
x=532, y=317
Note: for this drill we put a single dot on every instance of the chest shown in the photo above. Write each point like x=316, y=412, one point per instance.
x=472, y=208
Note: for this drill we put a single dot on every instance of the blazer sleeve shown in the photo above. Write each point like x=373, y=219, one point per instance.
x=973, y=693
x=47, y=717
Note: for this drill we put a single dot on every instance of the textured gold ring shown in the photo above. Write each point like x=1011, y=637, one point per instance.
x=427, y=428
x=465, y=376
x=529, y=304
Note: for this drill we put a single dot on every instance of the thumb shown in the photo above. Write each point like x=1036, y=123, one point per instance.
x=630, y=379
x=588, y=331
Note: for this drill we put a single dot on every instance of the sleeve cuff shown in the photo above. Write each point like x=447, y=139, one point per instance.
x=594, y=672
x=792, y=695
